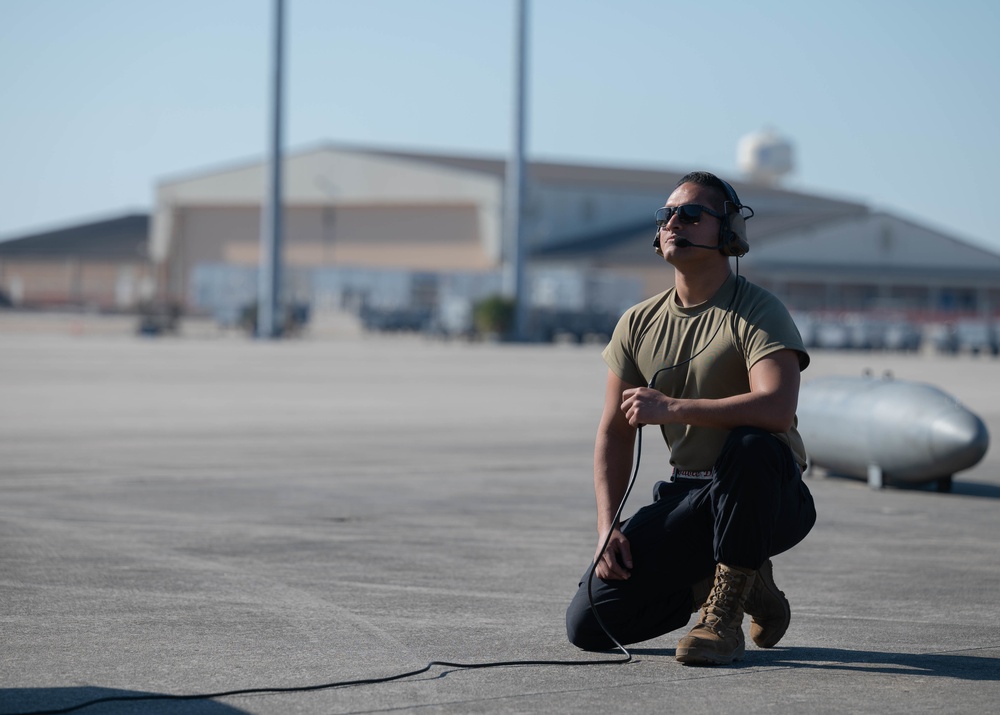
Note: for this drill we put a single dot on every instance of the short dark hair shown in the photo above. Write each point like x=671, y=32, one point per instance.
x=710, y=181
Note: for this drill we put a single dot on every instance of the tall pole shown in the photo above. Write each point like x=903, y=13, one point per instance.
x=514, y=184
x=269, y=279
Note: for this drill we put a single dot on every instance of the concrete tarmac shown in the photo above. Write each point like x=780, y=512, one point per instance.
x=190, y=515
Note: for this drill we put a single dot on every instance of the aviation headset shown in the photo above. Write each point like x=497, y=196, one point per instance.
x=733, y=227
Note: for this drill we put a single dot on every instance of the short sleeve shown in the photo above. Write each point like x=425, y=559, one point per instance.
x=620, y=354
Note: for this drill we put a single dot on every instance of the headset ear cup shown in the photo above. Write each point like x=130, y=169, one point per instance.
x=733, y=232
x=732, y=240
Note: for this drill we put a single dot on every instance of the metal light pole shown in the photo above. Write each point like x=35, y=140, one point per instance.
x=513, y=276
x=269, y=280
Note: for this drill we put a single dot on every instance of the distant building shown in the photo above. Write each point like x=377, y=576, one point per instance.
x=101, y=264
x=422, y=231
x=369, y=208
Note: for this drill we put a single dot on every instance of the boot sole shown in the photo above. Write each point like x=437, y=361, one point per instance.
x=705, y=656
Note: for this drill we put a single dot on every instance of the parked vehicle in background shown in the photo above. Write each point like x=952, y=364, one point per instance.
x=976, y=337
x=832, y=334
x=897, y=331
x=943, y=338
x=865, y=332
x=902, y=335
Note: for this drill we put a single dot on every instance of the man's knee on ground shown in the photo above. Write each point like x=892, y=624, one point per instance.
x=584, y=631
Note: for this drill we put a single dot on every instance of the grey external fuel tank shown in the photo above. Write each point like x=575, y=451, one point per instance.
x=888, y=431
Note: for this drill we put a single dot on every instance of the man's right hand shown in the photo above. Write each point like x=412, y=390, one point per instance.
x=615, y=564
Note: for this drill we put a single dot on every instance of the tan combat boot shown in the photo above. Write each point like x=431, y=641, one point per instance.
x=717, y=638
x=768, y=609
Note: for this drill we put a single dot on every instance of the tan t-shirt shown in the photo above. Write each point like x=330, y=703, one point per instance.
x=659, y=333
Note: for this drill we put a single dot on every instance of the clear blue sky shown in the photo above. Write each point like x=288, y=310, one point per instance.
x=891, y=102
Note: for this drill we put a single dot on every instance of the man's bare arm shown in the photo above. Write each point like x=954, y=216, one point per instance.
x=770, y=404
x=612, y=466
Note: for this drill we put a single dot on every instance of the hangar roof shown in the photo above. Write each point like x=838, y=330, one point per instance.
x=123, y=237
x=878, y=243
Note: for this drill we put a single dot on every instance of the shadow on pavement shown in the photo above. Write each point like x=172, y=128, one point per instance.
x=17, y=701
x=976, y=489
x=947, y=665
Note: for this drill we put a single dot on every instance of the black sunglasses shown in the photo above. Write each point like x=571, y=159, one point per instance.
x=688, y=213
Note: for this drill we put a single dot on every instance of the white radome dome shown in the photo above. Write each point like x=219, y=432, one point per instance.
x=764, y=156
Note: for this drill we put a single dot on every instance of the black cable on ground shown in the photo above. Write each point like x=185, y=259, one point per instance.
x=323, y=686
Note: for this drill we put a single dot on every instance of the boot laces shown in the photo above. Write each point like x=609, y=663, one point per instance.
x=723, y=601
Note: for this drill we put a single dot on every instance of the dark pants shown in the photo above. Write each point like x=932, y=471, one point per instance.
x=754, y=506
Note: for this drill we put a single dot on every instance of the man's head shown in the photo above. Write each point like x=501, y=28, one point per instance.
x=722, y=202
x=719, y=192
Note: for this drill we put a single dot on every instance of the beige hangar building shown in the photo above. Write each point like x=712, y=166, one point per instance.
x=368, y=209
